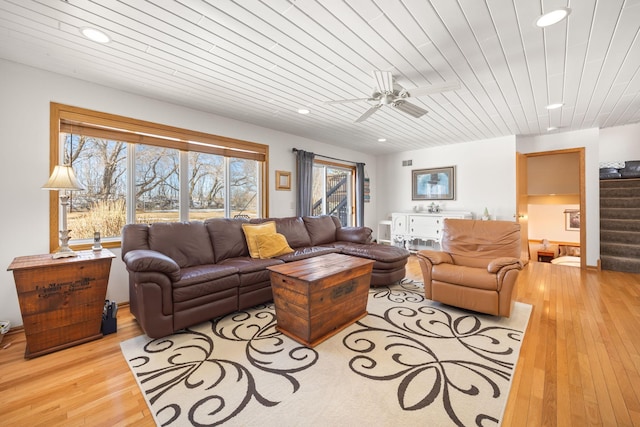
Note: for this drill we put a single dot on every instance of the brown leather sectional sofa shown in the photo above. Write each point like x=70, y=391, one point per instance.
x=184, y=273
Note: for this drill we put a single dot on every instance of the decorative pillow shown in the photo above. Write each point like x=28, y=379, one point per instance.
x=253, y=230
x=270, y=245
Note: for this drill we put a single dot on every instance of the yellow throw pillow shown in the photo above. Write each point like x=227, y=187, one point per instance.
x=270, y=245
x=253, y=230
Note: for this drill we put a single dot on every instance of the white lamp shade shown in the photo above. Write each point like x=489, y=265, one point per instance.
x=62, y=178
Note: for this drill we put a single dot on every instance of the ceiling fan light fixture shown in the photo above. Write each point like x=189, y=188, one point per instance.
x=555, y=106
x=553, y=17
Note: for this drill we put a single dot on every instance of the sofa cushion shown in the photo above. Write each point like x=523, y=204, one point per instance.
x=321, y=229
x=609, y=173
x=253, y=230
x=471, y=277
x=246, y=265
x=272, y=245
x=308, y=252
x=187, y=243
x=631, y=169
x=382, y=253
x=203, y=273
x=294, y=231
x=227, y=238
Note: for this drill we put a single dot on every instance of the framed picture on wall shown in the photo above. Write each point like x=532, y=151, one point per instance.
x=283, y=180
x=433, y=184
x=572, y=220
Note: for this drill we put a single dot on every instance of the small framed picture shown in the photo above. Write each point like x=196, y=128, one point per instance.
x=283, y=180
x=572, y=220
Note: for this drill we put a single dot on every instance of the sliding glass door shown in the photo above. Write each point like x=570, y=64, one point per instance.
x=333, y=192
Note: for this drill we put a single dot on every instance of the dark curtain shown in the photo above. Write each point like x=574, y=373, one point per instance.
x=360, y=194
x=304, y=182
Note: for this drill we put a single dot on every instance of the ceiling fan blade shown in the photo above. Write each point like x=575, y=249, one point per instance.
x=344, y=101
x=384, y=81
x=409, y=108
x=368, y=113
x=428, y=90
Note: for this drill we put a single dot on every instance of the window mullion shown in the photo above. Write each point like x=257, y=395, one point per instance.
x=183, y=176
x=131, y=184
x=227, y=187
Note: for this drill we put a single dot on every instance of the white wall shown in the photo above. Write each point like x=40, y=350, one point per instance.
x=620, y=143
x=548, y=222
x=485, y=177
x=24, y=150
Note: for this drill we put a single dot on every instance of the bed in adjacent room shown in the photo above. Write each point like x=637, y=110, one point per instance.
x=568, y=255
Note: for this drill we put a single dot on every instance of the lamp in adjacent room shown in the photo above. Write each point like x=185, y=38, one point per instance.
x=545, y=244
x=64, y=180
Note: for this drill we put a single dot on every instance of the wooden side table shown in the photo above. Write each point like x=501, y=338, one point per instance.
x=545, y=256
x=61, y=300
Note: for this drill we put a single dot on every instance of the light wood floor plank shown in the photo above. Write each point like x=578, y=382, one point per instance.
x=579, y=364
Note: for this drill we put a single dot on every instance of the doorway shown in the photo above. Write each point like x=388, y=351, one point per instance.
x=550, y=189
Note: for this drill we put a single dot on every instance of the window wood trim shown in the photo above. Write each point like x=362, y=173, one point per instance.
x=66, y=118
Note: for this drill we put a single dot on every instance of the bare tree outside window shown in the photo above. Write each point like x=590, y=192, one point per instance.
x=243, y=187
x=100, y=166
x=157, y=184
x=206, y=186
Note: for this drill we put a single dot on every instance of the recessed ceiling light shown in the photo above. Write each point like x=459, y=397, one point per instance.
x=382, y=139
x=553, y=17
x=303, y=111
x=554, y=106
x=551, y=128
x=95, y=35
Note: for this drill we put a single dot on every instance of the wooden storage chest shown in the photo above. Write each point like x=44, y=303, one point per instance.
x=317, y=297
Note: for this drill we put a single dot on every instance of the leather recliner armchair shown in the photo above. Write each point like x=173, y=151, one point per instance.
x=477, y=267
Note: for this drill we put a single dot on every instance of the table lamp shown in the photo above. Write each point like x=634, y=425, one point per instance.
x=64, y=180
x=545, y=244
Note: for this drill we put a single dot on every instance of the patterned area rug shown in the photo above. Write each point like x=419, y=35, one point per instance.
x=409, y=362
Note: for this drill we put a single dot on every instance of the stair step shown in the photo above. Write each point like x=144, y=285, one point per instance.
x=624, y=264
x=619, y=213
x=620, y=183
x=620, y=202
x=620, y=250
x=627, y=237
x=619, y=224
x=619, y=192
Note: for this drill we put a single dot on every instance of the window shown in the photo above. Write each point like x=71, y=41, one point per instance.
x=135, y=171
x=100, y=165
x=333, y=191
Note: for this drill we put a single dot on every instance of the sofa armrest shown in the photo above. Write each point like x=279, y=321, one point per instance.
x=354, y=234
x=436, y=257
x=499, y=263
x=146, y=260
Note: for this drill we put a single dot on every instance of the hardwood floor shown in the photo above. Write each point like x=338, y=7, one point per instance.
x=579, y=364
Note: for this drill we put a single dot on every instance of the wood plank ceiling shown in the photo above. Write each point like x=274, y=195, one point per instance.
x=260, y=61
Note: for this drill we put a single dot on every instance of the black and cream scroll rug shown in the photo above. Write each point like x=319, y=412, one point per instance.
x=409, y=362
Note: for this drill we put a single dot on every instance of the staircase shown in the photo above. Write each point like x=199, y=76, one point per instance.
x=620, y=225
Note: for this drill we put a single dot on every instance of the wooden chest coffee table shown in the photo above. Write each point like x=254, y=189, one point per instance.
x=318, y=297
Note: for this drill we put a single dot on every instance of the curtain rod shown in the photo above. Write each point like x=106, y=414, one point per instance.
x=327, y=157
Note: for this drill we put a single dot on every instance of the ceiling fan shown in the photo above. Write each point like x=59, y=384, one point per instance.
x=388, y=92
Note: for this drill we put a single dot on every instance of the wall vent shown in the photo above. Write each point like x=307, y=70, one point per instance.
x=407, y=162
